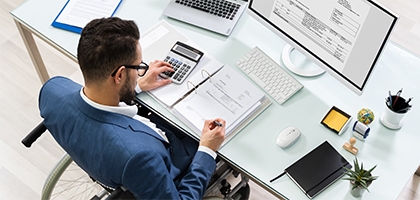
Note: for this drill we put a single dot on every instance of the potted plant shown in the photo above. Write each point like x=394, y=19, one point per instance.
x=360, y=179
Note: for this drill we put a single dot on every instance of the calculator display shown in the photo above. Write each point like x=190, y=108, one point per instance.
x=186, y=52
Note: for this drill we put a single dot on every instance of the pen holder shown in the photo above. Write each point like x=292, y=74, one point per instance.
x=390, y=118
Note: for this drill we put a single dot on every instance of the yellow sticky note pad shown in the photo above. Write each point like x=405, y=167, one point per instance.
x=336, y=120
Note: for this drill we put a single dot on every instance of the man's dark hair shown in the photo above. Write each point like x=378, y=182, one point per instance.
x=104, y=45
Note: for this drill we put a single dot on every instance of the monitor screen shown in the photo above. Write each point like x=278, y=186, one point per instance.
x=344, y=37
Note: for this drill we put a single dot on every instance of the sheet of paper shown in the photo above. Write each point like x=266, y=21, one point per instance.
x=153, y=36
x=226, y=95
x=169, y=94
x=80, y=12
x=158, y=40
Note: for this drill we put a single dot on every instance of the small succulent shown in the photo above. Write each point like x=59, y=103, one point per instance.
x=360, y=177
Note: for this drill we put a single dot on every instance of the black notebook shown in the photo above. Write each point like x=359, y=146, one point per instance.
x=318, y=169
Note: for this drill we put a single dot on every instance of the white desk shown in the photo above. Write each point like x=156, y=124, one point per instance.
x=253, y=150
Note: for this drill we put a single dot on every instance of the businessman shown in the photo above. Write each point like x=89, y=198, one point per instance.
x=100, y=130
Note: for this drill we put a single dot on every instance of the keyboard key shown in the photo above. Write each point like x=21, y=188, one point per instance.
x=221, y=8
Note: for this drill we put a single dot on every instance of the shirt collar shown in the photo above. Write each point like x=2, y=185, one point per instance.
x=122, y=108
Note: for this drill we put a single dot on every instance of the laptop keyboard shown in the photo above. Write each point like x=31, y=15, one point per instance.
x=221, y=8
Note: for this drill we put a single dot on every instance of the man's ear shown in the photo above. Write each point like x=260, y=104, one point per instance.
x=119, y=75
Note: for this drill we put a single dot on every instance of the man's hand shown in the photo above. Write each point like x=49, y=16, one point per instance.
x=151, y=79
x=212, y=135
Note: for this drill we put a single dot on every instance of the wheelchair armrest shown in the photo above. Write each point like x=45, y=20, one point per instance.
x=34, y=135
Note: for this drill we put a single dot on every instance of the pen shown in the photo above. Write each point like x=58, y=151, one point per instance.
x=399, y=92
x=396, y=97
x=277, y=177
x=390, y=100
x=404, y=110
x=387, y=102
x=216, y=123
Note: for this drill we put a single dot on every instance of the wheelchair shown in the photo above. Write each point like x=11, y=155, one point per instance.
x=68, y=181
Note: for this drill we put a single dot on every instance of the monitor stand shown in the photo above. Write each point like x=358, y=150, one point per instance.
x=303, y=70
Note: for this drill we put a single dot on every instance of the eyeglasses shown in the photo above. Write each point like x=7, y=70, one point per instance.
x=141, y=69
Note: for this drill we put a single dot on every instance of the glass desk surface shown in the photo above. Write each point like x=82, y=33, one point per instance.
x=254, y=150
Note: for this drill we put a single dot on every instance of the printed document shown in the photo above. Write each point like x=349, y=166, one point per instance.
x=80, y=12
x=226, y=94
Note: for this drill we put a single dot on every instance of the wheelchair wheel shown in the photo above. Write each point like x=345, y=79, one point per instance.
x=69, y=181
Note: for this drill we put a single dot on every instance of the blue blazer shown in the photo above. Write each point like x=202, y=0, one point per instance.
x=120, y=151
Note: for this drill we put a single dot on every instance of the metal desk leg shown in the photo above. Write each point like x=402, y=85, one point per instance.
x=33, y=51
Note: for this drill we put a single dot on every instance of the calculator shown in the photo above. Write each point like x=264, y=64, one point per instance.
x=183, y=59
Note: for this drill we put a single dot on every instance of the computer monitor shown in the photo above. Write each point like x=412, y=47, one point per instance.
x=344, y=37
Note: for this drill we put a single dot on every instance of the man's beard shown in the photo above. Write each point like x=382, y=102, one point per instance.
x=127, y=94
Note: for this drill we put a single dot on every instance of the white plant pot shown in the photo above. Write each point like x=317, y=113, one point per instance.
x=356, y=192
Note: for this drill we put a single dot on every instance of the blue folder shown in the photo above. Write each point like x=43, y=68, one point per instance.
x=72, y=28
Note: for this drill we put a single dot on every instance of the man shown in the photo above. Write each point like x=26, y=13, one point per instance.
x=102, y=133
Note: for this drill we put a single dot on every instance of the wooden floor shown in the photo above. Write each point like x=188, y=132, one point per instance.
x=23, y=171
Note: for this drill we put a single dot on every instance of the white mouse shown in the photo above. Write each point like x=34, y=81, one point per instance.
x=287, y=136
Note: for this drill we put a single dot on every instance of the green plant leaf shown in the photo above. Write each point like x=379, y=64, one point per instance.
x=359, y=176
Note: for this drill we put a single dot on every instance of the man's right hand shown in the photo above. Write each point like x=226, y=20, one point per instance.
x=212, y=136
x=150, y=80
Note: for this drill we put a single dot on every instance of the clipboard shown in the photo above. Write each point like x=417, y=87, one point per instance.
x=69, y=18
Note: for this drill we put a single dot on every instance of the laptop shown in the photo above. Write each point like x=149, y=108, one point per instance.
x=219, y=16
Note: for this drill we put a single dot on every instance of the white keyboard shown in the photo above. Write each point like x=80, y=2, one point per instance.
x=269, y=75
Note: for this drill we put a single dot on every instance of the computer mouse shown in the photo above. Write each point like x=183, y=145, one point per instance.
x=287, y=136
